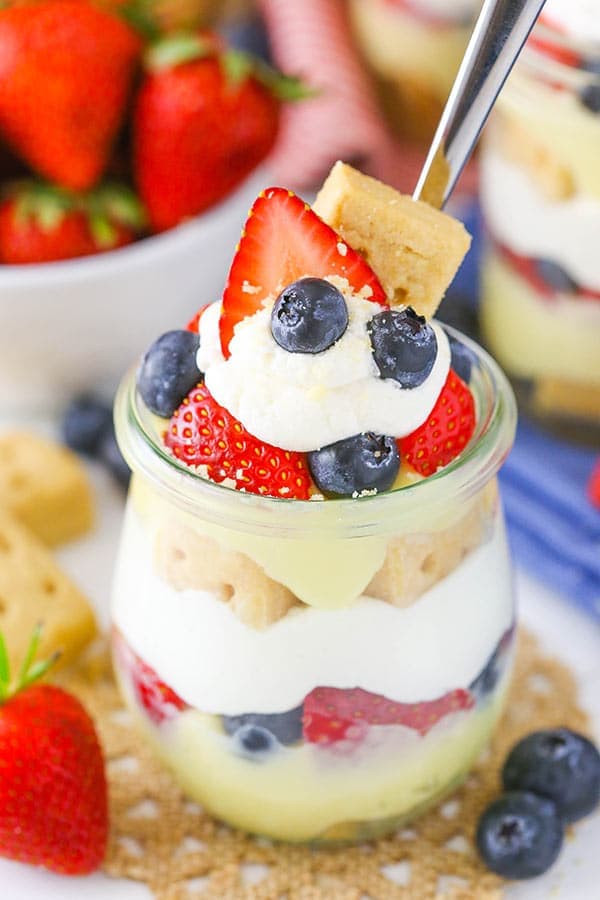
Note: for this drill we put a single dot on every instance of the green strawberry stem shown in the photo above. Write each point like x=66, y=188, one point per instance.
x=29, y=672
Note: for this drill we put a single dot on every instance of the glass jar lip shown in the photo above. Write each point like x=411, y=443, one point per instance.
x=459, y=480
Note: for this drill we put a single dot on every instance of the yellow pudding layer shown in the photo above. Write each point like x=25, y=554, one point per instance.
x=300, y=793
x=533, y=337
x=559, y=121
x=396, y=45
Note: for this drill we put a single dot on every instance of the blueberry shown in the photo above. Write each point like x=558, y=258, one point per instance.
x=309, y=316
x=254, y=741
x=461, y=359
x=364, y=462
x=520, y=835
x=457, y=310
x=590, y=97
x=558, y=764
x=285, y=726
x=85, y=423
x=110, y=454
x=591, y=64
x=404, y=346
x=556, y=277
x=169, y=371
x=493, y=670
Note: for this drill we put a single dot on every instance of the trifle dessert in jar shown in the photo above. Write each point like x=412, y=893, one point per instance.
x=313, y=611
x=414, y=49
x=540, y=192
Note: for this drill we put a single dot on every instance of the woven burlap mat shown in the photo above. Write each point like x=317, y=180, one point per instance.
x=181, y=853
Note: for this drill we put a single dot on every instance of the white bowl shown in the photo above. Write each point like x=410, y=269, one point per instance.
x=67, y=327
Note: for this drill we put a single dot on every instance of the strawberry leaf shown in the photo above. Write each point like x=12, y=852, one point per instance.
x=4, y=670
x=178, y=48
x=239, y=65
x=31, y=651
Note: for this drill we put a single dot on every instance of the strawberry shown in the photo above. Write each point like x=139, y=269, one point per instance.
x=594, y=485
x=446, y=431
x=202, y=433
x=194, y=323
x=41, y=223
x=333, y=714
x=203, y=120
x=160, y=702
x=66, y=69
x=283, y=239
x=53, y=796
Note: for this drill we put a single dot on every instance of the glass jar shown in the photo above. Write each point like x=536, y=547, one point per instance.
x=316, y=671
x=414, y=48
x=540, y=193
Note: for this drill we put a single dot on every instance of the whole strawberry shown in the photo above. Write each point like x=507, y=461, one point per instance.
x=203, y=120
x=53, y=797
x=41, y=223
x=66, y=70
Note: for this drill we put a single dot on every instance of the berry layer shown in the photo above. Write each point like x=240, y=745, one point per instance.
x=305, y=401
x=187, y=634
x=392, y=772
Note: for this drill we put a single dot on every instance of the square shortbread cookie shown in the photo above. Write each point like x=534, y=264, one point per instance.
x=34, y=589
x=414, y=249
x=44, y=485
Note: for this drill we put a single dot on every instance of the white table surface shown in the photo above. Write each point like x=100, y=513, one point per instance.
x=562, y=630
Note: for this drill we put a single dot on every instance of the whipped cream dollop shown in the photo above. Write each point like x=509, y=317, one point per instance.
x=303, y=401
x=524, y=220
x=579, y=19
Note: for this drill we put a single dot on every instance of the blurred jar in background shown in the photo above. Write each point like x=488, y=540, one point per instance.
x=540, y=191
x=414, y=48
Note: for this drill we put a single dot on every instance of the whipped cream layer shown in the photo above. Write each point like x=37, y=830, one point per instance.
x=579, y=19
x=219, y=665
x=304, y=401
x=524, y=220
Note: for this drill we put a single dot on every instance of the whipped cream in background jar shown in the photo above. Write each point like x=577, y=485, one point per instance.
x=540, y=193
x=316, y=671
x=414, y=48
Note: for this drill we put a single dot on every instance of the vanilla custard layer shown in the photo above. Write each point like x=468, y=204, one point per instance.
x=218, y=664
x=298, y=793
x=533, y=336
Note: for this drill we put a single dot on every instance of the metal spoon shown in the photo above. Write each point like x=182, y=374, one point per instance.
x=500, y=32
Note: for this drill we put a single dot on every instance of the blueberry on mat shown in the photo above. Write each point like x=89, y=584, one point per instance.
x=558, y=764
x=169, y=371
x=520, y=835
x=85, y=423
x=285, y=726
x=309, y=316
x=404, y=346
x=555, y=276
x=365, y=462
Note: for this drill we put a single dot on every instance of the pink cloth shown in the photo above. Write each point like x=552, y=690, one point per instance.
x=312, y=38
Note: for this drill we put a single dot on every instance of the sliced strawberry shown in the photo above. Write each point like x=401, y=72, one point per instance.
x=283, y=239
x=160, y=702
x=203, y=433
x=333, y=714
x=446, y=431
x=194, y=323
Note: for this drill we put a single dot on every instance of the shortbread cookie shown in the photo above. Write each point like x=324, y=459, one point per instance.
x=414, y=249
x=576, y=400
x=45, y=486
x=415, y=562
x=189, y=560
x=521, y=146
x=33, y=589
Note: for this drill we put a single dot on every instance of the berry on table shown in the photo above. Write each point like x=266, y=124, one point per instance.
x=364, y=462
x=286, y=727
x=404, y=346
x=85, y=423
x=520, y=835
x=169, y=371
x=309, y=316
x=558, y=764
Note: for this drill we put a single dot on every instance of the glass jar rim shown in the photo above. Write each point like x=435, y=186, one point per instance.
x=219, y=503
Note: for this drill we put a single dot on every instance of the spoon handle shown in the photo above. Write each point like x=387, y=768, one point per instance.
x=500, y=32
